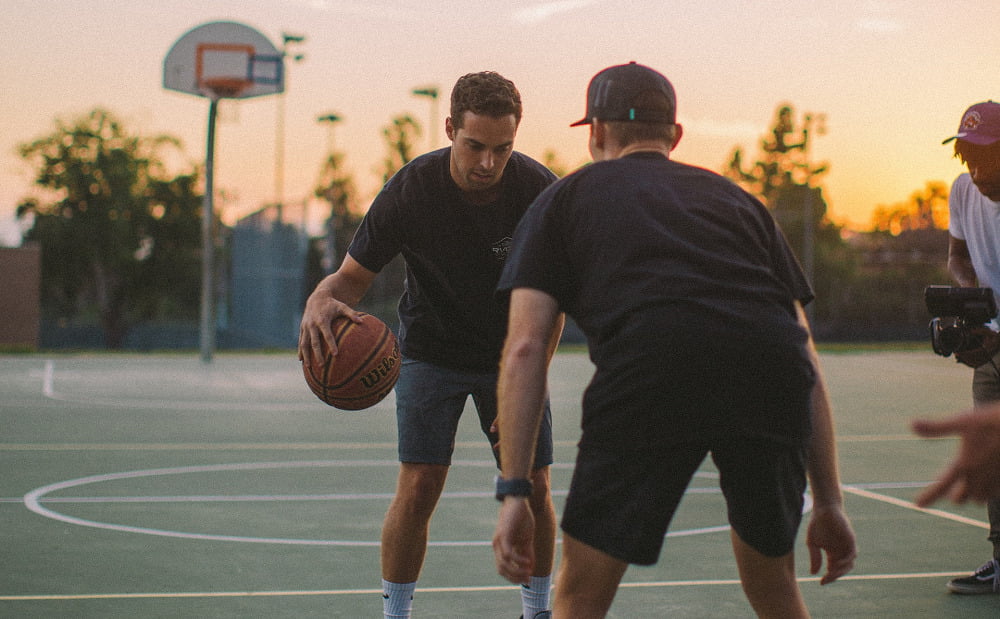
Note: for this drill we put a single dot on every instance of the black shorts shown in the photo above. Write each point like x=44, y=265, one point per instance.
x=622, y=503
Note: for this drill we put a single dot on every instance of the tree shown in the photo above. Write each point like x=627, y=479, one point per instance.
x=925, y=210
x=783, y=163
x=788, y=183
x=551, y=161
x=337, y=187
x=120, y=238
x=400, y=136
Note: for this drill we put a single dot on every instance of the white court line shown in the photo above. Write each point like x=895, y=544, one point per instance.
x=430, y=590
x=47, y=389
x=272, y=446
x=878, y=438
x=365, y=496
x=33, y=501
x=232, y=447
x=909, y=505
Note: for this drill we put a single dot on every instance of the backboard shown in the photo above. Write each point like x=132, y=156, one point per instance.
x=224, y=60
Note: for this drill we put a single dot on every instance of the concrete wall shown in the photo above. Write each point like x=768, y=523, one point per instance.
x=20, y=296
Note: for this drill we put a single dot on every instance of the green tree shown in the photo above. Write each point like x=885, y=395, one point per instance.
x=784, y=157
x=788, y=182
x=925, y=210
x=906, y=250
x=400, y=136
x=336, y=187
x=120, y=237
x=551, y=161
x=785, y=179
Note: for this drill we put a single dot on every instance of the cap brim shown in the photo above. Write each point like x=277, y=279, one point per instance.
x=582, y=121
x=973, y=138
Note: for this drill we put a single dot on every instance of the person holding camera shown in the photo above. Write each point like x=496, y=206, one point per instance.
x=974, y=260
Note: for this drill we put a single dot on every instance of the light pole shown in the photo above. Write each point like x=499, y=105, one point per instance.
x=330, y=118
x=432, y=93
x=279, y=141
x=330, y=248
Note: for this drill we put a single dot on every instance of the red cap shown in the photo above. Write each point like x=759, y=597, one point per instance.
x=980, y=124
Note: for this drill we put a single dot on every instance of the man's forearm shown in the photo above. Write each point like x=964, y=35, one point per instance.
x=960, y=262
x=532, y=335
x=521, y=396
x=824, y=474
x=962, y=272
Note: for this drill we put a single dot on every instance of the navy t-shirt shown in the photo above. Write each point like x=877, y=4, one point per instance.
x=454, y=251
x=684, y=287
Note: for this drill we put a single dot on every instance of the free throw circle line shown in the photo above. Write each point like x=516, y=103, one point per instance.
x=33, y=501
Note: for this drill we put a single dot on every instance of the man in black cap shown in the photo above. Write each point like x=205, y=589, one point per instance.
x=691, y=302
x=973, y=256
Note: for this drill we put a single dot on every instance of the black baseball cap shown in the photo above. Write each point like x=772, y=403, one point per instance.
x=615, y=94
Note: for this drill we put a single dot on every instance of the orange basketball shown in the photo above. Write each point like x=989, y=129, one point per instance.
x=365, y=368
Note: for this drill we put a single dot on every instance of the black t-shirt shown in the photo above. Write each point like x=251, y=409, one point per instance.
x=679, y=279
x=454, y=252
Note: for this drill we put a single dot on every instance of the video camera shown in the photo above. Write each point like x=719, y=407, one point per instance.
x=957, y=311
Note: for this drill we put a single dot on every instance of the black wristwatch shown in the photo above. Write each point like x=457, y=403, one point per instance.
x=513, y=487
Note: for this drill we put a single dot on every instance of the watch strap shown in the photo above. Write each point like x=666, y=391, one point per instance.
x=519, y=487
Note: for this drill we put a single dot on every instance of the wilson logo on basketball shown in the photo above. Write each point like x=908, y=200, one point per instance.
x=382, y=371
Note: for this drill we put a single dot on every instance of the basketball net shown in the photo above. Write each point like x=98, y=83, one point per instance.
x=224, y=87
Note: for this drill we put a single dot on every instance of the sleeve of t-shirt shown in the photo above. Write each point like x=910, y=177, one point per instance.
x=537, y=259
x=786, y=265
x=956, y=203
x=377, y=240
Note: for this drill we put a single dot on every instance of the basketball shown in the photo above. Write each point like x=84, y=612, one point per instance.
x=365, y=368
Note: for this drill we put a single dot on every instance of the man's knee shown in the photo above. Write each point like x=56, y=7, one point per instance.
x=588, y=578
x=419, y=487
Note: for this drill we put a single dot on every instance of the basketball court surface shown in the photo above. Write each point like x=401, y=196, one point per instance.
x=161, y=486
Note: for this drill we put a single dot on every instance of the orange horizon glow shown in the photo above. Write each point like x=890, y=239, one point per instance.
x=891, y=78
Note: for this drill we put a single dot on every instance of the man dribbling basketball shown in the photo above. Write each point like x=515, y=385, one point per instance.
x=451, y=213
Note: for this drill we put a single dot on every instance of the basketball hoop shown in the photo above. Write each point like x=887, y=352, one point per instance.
x=219, y=60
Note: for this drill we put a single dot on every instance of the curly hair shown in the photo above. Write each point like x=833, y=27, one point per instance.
x=967, y=150
x=487, y=93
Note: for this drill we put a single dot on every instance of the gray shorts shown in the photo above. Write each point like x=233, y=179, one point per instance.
x=429, y=403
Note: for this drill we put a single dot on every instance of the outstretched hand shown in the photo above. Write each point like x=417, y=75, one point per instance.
x=972, y=475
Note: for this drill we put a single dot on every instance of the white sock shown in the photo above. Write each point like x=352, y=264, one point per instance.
x=535, y=595
x=397, y=599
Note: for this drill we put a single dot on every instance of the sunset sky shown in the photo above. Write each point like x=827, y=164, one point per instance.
x=891, y=77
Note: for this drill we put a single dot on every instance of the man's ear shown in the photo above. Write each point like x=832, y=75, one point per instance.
x=599, y=134
x=449, y=129
x=678, y=132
